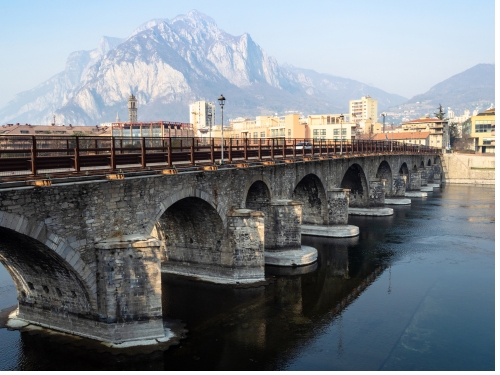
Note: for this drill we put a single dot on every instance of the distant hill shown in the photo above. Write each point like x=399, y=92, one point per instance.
x=472, y=89
x=167, y=64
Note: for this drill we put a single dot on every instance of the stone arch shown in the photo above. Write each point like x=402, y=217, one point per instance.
x=414, y=169
x=429, y=162
x=191, y=192
x=311, y=192
x=384, y=171
x=258, y=196
x=194, y=238
x=355, y=179
x=422, y=165
x=250, y=183
x=405, y=173
x=49, y=271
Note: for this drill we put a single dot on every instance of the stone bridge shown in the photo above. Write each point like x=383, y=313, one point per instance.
x=86, y=257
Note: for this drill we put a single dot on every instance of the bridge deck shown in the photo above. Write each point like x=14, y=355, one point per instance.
x=35, y=157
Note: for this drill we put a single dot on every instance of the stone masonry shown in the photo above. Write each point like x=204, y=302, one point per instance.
x=85, y=244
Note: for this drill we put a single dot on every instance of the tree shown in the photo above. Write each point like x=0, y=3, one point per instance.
x=440, y=113
x=454, y=132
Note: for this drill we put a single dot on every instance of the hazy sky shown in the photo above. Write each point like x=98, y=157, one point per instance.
x=403, y=47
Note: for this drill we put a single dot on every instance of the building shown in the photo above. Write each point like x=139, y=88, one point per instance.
x=52, y=130
x=330, y=126
x=481, y=128
x=288, y=126
x=202, y=116
x=132, y=109
x=416, y=138
x=365, y=108
x=437, y=129
x=152, y=129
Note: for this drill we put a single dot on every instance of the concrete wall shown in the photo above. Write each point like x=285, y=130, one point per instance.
x=461, y=169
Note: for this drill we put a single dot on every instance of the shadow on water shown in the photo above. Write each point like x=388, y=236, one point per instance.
x=274, y=325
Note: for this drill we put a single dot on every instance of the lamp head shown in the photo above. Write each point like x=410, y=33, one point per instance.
x=221, y=100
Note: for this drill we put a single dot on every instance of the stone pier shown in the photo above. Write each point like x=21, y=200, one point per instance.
x=338, y=215
x=423, y=177
x=415, y=181
x=430, y=174
x=236, y=257
x=377, y=192
x=283, y=237
x=399, y=186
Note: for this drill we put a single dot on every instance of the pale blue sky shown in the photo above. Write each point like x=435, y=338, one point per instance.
x=403, y=47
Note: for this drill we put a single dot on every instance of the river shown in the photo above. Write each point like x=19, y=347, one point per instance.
x=415, y=291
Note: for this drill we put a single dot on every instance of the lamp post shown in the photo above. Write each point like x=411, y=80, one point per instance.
x=221, y=102
x=341, y=122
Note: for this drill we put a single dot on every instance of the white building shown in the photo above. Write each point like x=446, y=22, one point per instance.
x=363, y=109
x=202, y=115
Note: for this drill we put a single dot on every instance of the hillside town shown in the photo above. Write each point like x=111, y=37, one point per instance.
x=448, y=131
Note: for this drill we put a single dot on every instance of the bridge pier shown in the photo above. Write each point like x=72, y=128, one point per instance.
x=338, y=214
x=437, y=172
x=377, y=192
x=430, y=174
x=399, y=186
x=237, y=254
x=415, y=181
x=283, y=235
x=423, y=176
x=128, y=296
x=129, y=288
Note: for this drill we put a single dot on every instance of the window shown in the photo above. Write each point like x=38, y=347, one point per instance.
x=263, y=134
x=483, y=126
x=315, y=132
x=344, y=131
x=289, y=133
x=323, y=132
x=25, y=131
x=336, y=131
x=256, y=135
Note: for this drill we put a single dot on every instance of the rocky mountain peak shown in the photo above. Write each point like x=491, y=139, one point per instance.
x=168, y=64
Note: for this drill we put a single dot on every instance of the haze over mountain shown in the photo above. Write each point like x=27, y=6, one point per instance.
x=472, y=89
x=168, y=65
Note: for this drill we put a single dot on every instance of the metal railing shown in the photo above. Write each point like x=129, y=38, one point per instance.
x=35, y=155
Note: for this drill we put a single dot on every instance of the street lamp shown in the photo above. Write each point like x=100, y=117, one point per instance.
x=341, y=122
x=221, y=102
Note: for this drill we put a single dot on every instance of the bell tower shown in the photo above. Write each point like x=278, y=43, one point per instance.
x=132, y=108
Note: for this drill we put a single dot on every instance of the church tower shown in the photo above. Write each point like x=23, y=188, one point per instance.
x=132, y=108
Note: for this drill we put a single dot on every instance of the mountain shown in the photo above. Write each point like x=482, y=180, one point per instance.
x=169, y=64
x=472, y=89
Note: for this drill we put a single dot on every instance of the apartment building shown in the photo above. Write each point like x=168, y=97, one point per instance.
x=330, y=126
x=202, y=115
x=363, y=109
x=434, y=126
x=481, y=128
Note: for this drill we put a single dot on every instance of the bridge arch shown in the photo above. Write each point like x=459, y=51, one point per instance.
x=221, y=208
x=48, y=272
x=191, y=228
x=311, y=192
x=384, y=171
x=258, y=196
x=262, y=184
x=355, y=179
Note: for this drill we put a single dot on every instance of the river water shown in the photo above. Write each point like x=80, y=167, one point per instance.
x=415, y=291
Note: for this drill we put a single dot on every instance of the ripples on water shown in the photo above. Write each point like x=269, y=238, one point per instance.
x=415, y=291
